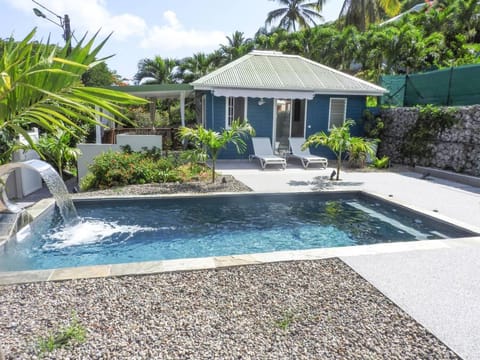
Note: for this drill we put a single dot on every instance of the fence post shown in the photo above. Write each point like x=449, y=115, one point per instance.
x=449, y=86
x=405, y=91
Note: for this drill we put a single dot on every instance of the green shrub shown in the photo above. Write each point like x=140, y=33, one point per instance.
x=382, y=163
x=166, y=163
x=169, y=176
x=112, y=169
x=372, y=125
x=88, y=182
x=420, y=138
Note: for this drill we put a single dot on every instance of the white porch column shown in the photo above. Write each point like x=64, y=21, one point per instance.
x=98, y=130
x=182, y=107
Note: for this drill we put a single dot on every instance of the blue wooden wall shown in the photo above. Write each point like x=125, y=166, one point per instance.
x=318, y=111
x=261, y=118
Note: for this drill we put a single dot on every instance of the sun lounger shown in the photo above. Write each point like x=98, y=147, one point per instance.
x=304, y=155
x=262, y=149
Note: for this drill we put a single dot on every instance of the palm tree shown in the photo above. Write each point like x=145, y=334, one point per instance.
x=361, y=13
x=237, y=46
x=296, y=12
x=214, y=141
x=196, y=66
x=340, y=141
x=156, y=70
x=40, y=85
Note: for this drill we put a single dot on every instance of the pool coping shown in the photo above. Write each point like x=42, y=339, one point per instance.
x=218, y=262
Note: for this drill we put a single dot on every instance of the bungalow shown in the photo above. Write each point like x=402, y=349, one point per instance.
x=281, y=96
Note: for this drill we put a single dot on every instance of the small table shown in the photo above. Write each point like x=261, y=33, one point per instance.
x=284, y=153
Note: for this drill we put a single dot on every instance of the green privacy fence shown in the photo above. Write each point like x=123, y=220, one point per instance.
x=449, y=87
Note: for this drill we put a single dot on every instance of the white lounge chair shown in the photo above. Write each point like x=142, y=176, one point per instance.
x=304, y=155
x=262, y=149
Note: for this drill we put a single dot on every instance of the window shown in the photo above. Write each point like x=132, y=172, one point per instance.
x=236, y=109
x=338, y=111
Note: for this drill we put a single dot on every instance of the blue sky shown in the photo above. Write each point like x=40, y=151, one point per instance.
x=145, y=28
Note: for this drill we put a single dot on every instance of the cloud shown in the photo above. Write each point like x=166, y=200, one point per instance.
x=174, y=39
x=132, y=39
x=88, y=16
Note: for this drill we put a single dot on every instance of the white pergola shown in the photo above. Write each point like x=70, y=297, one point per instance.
x=154, y=92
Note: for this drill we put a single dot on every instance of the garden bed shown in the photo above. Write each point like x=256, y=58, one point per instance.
x=225, y=183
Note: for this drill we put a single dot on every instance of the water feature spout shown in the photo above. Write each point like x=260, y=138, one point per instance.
x=53, y=181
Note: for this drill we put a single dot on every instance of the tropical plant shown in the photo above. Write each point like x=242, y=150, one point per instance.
x=358, y=151
x=194, y=157
x=156, y=71
x=431, y=122
x=372, y=125
x=57, y=150
x=100, y=75
x=443, y=35
x=214, y=141
x=196, y=66
x=295, y=12
x=7, y=145
x=361, y=13
x=340, y=141
x=381, y=163
x=237, y=46
x=112, y=169
x=40, y=86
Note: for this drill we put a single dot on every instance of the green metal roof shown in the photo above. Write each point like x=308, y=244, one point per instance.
x=274, y=71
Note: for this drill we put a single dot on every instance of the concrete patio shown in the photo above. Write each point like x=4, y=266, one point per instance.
x=438, y=287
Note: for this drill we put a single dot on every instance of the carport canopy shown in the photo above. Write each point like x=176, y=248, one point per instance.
x=160, y=91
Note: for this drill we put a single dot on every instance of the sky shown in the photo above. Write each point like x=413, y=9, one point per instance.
x=144, y=28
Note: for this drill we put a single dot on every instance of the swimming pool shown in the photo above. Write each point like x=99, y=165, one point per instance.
x=132, y=230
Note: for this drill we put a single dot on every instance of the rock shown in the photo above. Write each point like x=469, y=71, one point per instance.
x=456, y=148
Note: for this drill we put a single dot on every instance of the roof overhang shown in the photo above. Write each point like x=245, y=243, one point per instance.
x=262, y=93
x=285, y=94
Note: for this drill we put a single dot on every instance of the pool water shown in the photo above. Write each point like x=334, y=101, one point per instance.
x=122, y=231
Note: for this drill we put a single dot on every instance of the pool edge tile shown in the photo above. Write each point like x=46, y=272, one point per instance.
x=137, y=268
x=188, y=264
x=21, y=277
x=235, y=260
x=84, y=272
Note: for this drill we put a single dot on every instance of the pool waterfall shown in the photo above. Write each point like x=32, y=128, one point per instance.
x=54, y=183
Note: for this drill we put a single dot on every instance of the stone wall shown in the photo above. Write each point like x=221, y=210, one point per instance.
x=457, y=148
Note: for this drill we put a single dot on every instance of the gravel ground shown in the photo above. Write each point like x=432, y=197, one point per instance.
x=295, y=310
x=225, y=183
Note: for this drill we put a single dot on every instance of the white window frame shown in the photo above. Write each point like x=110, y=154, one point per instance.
x=229, y=115
x=330, y=111
x=204, y=110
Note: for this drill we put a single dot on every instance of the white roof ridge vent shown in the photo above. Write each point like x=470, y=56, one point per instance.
x=266, y=52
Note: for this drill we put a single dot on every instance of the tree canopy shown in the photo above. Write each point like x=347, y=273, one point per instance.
x=295, y=14
x=443, y=35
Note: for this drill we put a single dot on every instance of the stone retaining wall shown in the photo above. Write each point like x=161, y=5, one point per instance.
x=457, y=148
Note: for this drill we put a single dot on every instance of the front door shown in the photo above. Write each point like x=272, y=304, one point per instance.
x=289, y=122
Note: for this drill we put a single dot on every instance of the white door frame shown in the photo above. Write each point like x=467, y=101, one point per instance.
x=274, y=122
